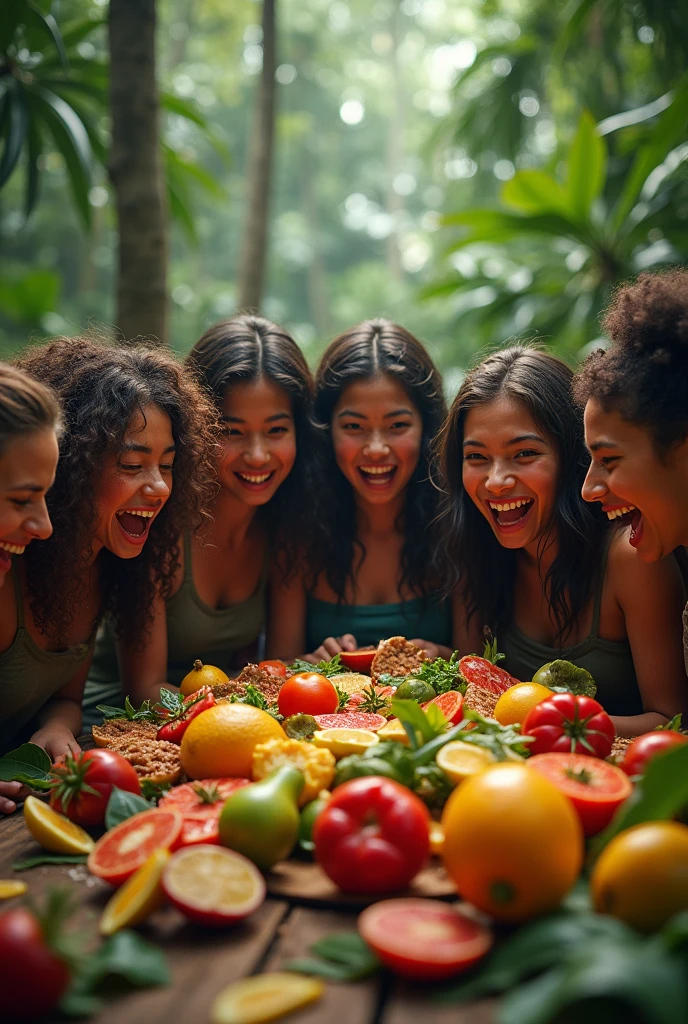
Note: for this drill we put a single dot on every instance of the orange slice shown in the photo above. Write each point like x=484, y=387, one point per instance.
x=53, y=831
x=10, y=888
x=138, y=897
x=264, y=997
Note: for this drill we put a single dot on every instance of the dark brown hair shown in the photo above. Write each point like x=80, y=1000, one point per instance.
x=101, y=386
x=26, y=405
x=484, y=569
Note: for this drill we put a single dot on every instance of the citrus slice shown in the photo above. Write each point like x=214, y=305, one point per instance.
x=138, y=897
x=459, y=760
x=213, y=885
x=345, y=741
x=127, y=846
x=53, y=831
x=9, y=888
x=264, y=997
x=394, y=730
x=436, y=838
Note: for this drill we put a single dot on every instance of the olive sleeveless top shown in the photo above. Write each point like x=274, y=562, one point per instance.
x=217, y=636
x=609, y=662
x=424, y=618
x=29, y=677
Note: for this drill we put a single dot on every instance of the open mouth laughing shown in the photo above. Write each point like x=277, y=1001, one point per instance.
x=510, y=515
x=135, y=523
x=626, y=515
x=377, y=476
x=255, y=481
x=6, y=551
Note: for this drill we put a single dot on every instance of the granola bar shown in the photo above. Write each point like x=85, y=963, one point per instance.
x=397, y=657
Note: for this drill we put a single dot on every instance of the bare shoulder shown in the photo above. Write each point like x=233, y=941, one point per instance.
x=627, y=573
x=8, y=614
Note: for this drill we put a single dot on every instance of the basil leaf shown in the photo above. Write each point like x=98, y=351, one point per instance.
x=28, y=764
x=126, y=955
x=345, y=948
x=415, y=720
x=323, y=969
x=123, y=805
x=49, y=858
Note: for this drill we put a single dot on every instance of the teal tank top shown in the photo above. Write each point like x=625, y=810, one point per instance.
x=423, y=618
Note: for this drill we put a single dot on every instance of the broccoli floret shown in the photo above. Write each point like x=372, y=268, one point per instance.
x=565, y=677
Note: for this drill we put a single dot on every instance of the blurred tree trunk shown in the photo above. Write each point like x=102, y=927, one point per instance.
x=135, y=170
x=253, y=252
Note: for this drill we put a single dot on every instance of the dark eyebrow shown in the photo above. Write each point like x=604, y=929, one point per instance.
x=146, y=451
x=523, y=437
x=398, y=412
x=269, y=419
x=350, y=412
x=474, y=444
x=602, y=444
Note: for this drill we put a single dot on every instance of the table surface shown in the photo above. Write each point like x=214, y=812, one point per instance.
x=203, y=962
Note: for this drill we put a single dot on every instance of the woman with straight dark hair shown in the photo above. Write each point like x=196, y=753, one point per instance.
x=216, y=609
x=367, y=570
x=536, y=564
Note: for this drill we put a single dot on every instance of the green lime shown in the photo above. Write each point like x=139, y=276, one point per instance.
x=415, y=689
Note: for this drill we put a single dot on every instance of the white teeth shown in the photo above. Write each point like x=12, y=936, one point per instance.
x=14, y=549
x=376, y=470
x=136, y=512
x=503, y=506
x=614, y=513
x=259, y=479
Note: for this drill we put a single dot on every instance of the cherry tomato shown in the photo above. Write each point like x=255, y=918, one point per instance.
x=32, y=977
x=570, y=724
x=307, y=693
x=98, y=770
x=399, y=931
x=595, y=788
x=373, y=836
x=193, y=706
x=644, y=748
x=274, y=668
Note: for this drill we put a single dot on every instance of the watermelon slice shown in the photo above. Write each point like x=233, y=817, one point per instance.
x=483, y=673
x=351, y=720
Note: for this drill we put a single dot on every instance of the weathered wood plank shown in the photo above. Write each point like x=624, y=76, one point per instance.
x=413, y=1005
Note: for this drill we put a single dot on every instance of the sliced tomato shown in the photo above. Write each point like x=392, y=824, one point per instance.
x=360, y=660
x=450, y=704
x=351, y=720
x=127, y=846
x=483, y=673
x=595, y=787
x=201, y=817
x=423, y=939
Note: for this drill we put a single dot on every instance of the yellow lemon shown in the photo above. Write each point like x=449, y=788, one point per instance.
x=394, y=730
x=138, y=897
x=10, y=888
x=459, y=760
x=53, y=831
x=515, y=703
x=220, y=741
x=202, y=675
x=345, y=741
x=264, y=997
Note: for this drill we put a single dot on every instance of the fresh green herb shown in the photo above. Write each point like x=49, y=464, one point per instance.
x=504, y=741
x=152, y=791
x=28, y=764
x=48, y=858
x=674, y=725
x=416, y=722
x=432, y=786
x=300, y=727
x=389, y=680
x=343, y=699
x=256, y=699
x=145, y=713
x=441, y=674
x=123, y=805
x=324, y=668
x=490, y=652
x=374, y=703
x=342, y=957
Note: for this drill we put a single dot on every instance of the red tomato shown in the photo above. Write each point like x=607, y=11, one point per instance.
x=360, y=660
x=308, y=693
x=32, y=977
x=98, y=770
x=423, y=939
x=193, y=706
x=122, y=850
x=450, y=704
x=595, y=788
x=569, y=724
x=645, y=747
x=201, y=812
x=274, y=668
x=372, y=836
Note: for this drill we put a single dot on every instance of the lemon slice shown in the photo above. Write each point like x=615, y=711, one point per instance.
x=345, y=741
x=459, y=760
x=394, y=730
x=10, y=888
x=264, y=997
x=138, y=897
x=53, y=831
x=436, y=838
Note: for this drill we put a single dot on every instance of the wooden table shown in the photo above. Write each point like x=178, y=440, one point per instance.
x=203, y=962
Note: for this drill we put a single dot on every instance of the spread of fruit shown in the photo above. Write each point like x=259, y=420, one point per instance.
x=409, y=758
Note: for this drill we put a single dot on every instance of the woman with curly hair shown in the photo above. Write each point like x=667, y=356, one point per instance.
x=534, y=562
x=636, y=417
x=216, y=607
x=130, y=416
x=367, y=570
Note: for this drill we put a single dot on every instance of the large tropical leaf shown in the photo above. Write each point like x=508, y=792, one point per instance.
x=71, y=140
x=535, y=192
x=13, y=125
x=45, y=25
x=587, y=167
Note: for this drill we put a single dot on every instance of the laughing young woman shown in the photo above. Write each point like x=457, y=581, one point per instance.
x=536, y=564
x=129, y=416
x=367, y=565
x=217, y=606
x=636, y=416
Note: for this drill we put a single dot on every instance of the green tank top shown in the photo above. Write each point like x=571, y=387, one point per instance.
x=217, y=636
x=29, y=677
x=424, y=618
x=609, y=662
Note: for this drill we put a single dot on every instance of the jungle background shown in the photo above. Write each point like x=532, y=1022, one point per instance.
x=475, y=170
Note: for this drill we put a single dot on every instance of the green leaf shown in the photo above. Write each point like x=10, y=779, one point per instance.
x=415, y=720
x=485, y=225
x=48, y=26
x=123, y=805
x=535, y=192
x=124, y=957
x=35, y=149
x=182, y=108
x=344, y=957
x=587, y=167
x=658, y=796
x=12, y=12
x=14, y=127
x=71, y=139
x=48, y=858
x=28, y=764
x=442, y=675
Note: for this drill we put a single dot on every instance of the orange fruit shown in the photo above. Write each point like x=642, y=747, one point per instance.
x=221, y=740
x=515, y=703
x=138, y=897
x=513, y=843
x=641, y=877
x=202, y=675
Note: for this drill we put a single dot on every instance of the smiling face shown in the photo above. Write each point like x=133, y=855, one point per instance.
x=510, y=471
x=259, y=448
x=377, y=433
x=134, y=484
x=626, y=472
x=27, y=471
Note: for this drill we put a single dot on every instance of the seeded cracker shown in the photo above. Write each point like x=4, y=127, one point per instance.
x=397, y=657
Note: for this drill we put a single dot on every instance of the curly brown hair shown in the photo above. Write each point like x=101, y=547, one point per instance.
x=644, y=373
x=101, y=386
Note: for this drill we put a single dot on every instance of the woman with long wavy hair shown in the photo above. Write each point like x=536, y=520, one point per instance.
x=217, y=604
x=132, y=423
x=367, y=569
x=536, y=564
